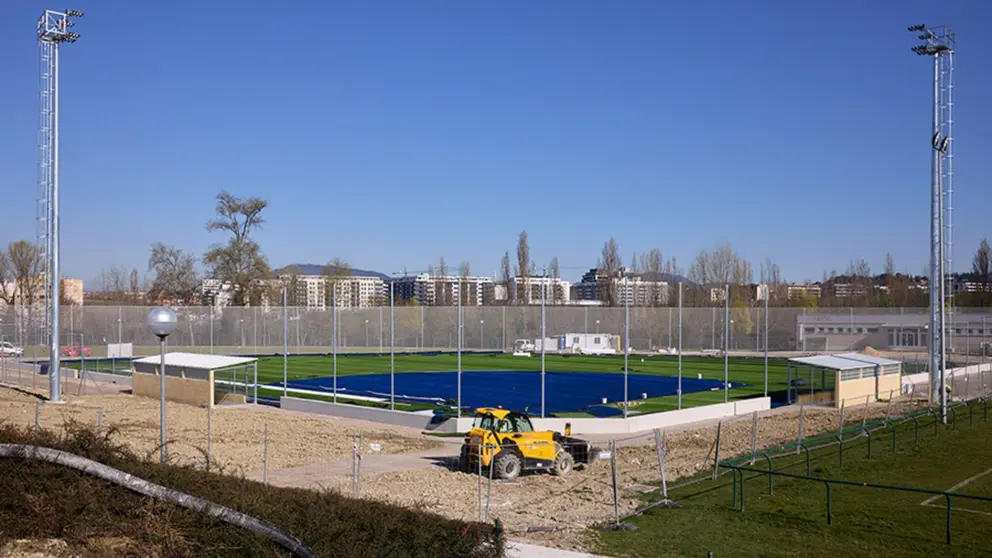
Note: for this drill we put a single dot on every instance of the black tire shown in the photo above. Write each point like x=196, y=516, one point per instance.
x=463, y=462
x=564, y=464
x=508, y=465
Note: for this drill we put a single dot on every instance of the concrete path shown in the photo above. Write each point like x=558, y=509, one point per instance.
x=523, y=550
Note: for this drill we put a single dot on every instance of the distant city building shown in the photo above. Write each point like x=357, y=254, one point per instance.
x=642, y=289
x=216, y=293
x=797, y=292
x=71, y=292
x=443, y=290
x=351, y=291
x=527, y=290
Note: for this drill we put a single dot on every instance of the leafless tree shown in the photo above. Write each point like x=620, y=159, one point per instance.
x=23, y=261
x=610, y=263
x=506, y=276
x=524, y=265
x=890, y=266
x=442, y=289
x=464, y=271
x=335, y=273
x=240, y=262
x=135, y=286
x=652, y=266
x=176, y=280
x=722, y=266
x=557, y=295
x=981, y=268
x=863, y=290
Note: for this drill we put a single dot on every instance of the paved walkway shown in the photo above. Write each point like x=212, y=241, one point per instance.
x=523, y=550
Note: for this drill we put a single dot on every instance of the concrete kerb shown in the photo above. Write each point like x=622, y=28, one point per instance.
x=633, y=424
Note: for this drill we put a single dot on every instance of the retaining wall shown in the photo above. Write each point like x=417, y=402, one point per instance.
x=386, y=416
x=637, y=423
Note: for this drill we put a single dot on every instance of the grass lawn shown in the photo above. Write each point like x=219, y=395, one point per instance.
x=865, y=521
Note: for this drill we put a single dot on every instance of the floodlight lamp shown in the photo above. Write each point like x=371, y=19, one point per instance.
x=919, y=27
x=943, y=145
x=935, y=140
x=74, y=13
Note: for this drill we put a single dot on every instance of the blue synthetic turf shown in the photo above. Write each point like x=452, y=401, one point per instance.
x=564, y=391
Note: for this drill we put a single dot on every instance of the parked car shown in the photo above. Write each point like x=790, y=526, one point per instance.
x=7, y=349
x=74, y=351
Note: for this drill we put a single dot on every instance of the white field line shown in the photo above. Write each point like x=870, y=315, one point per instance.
x=929, y=501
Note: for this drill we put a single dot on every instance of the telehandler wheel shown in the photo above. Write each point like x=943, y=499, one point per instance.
x=563, y=464
x=508, y=465
x=463, y=462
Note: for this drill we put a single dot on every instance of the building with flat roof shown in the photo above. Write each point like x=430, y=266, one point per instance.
x=967, y=331
x=642, y=289
x=443, y=290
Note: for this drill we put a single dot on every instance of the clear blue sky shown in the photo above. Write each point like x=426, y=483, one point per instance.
x=393, y=133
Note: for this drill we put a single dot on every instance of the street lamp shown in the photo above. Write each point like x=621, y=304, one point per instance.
x=597, y=327
x=162, y=321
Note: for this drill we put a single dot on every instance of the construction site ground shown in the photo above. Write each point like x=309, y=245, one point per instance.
x=407, y=467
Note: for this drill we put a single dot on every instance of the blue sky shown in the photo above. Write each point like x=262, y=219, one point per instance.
x=391, y=133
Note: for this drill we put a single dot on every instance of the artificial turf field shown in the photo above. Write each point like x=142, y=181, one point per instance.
x=865, y=521
x=749, y=371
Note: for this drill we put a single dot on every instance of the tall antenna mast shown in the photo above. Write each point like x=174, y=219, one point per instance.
x=53, y=30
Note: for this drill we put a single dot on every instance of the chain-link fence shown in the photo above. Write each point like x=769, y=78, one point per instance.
x=267, y=330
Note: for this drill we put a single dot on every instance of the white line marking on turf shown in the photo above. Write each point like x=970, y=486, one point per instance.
x=957, y=509
x=965, y=482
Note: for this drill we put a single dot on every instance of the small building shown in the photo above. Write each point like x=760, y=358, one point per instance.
x=581, y=343
x=197, y=379
x=843, y=379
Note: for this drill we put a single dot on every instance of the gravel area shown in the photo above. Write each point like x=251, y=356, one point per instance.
x=237, y=433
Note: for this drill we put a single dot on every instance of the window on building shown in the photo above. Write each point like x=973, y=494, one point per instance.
x=595, y=340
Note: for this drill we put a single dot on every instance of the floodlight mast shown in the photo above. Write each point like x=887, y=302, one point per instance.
x=939, y=42
x=53, y=30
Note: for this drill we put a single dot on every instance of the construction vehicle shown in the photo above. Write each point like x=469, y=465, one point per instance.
x=506, y=441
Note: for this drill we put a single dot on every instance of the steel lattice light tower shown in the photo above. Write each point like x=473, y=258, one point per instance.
x=939, y=43
x=53, y=30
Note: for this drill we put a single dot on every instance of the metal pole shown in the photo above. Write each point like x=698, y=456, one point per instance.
x=543, y=343
x=211, y=328
x=669, y=327
x=767, y=295
x=626, y=344
x=54, y=368
x=255, y=387
x=254, y=331
x=616, y=491
x=726, y=346
x=392, y=350
x=459, y=343
x=210, y=411
x=162, y=398
x=502, y=328
x=265, y=455
x=936, y=265
x=680, y=345
x=421, y=327
x=660, y=445
x=380, y=330
x=285, y=345
x=713, y=329
x=334, y=342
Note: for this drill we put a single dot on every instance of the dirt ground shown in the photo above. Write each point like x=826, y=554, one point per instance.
x=539, y=508
x=554, y=511
x=237, y=433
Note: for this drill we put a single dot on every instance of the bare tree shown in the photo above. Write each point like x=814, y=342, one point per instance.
x=442, y=289
x=652, y=266
x=610, y=263
x=25, y=265
x=981, y=268
x=135, y=286
x=506, y=276
x=336, y=274
x=890, y=266
x=176, y=280
x=557, y=295
x=722, y=266
x=863, y=290
x=8, y=286
x=464, y=271
x=524, y=266
x=240, y=262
